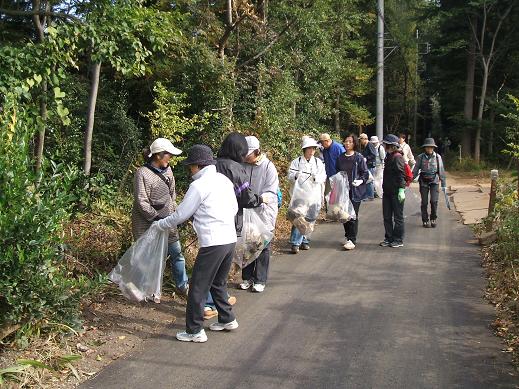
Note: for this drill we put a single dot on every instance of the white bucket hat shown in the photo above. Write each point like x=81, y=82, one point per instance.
x=308, y=142
x=162, y=144
x=374, y=139
x=253, y=144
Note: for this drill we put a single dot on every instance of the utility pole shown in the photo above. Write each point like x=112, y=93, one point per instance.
x=415, y=125
x=380, y=70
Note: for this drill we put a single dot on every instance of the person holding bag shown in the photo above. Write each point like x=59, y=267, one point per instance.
x=306, y=169
x=354, y=165
x=211, y=202
x=430, y=171
x=154, y=199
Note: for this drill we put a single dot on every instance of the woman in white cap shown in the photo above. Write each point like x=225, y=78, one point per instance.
x=379, y=164
x=154, y=199
x=305, y=167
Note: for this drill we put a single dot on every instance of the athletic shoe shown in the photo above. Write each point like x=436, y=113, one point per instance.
x=231, y=300
x=209, y=313
x=426, y=224
x=246, y=284
x=200, y=337
x=433, y=223
x=258, y=288
x=295, y=249
x=305, y=246
x=396, y=244
x=224, y=326
x=385, y=243
x=349, y=245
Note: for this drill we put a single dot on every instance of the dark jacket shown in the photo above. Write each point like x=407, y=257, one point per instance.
x=360, y=172
x=370, y=153
x=394, y=173
x=246, y=198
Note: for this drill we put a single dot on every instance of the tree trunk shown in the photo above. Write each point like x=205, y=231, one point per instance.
x=468, y=112
x=492, y=131
x=94, y=86
x=484, y=84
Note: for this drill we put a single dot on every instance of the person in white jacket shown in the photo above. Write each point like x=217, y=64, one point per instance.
x=406, y=150
x=306, y=168
x=211, y=202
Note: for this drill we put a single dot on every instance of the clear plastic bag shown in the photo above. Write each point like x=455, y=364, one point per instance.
x=139, y=271
x=255, y=236
x=305, y=204
x=378, y=177
x=340, y=207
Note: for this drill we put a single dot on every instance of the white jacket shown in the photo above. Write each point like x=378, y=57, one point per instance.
x=312, y=170
x=408, y=154
x=211, y=201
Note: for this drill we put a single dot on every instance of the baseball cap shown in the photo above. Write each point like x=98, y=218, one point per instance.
x=252, y=143
x=163, y=144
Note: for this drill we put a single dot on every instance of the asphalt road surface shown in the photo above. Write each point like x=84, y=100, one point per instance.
x=375, y=317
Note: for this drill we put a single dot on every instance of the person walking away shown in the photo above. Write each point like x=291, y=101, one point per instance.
x=305, y=167
x=430, y=171
x=263, y=179
x=330, y=151
x=379, y=165
x=229, y=163
x=406, y=150
x=369, y=152
x=211, y=202
x=354, y=164
x=154, y=198
x=394, y=196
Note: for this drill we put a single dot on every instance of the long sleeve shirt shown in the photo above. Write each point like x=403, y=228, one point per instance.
x=408, y=154
x=312, y=169
x=330, y=156
x=431, y=169
x=211, y=201
x=394, y=173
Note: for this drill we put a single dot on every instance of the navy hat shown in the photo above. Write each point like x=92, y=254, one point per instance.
x=200, y=155
x=391, y=139
x=429, y=142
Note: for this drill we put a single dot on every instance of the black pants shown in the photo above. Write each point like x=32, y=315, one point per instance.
x=393, y=212
x=351, y=228
x=425, y=189
x=210, y=273
x=258, y=270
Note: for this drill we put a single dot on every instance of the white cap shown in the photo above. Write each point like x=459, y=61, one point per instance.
x=253, y=144
x=163, y=144
x=374, y=139
x=308, y=142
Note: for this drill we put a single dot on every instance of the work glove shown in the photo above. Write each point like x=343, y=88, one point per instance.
x=357, y=182
x=401, y=195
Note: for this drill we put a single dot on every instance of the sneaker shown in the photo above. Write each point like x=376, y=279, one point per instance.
x=209, y=313
x=433, y=223
x=396, y=244
x=246, y=284
x=224, y=326
x=200, y=337
x=258, y=288
x=385, y=243
x=426, y=224
x=295, y=249
x=231, y=300
x=349, y=245
x=305, y=246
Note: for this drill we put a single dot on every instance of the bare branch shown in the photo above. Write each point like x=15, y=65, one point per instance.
x=59, y=15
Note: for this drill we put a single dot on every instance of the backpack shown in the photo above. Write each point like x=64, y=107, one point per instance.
x=408, y=174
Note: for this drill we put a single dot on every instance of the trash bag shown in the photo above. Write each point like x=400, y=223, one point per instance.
x=378, y=177
x=139, y=271
x=340, y=207
x=412, y=203
x=305, y=204
x=255, y=236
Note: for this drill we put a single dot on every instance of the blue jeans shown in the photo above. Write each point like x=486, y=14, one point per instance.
x=370, y=188
x=296, y=238
x=178, y=265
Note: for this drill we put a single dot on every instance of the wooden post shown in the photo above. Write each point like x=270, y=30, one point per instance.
x=494, y=174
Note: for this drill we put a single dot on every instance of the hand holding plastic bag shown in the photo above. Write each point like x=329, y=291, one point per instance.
x=139, y=271
x=305, y=204
x=255, y=236
x=340, y=207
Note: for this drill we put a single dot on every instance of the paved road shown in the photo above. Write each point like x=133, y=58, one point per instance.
x=372, y=318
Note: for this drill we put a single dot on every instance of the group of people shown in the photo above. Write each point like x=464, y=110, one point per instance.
x=241, y=176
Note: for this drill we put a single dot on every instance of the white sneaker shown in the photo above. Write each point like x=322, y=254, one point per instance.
x=258, y=288
x=246, y=284
x=224, y=326
x=200, y=337
x=349, y=245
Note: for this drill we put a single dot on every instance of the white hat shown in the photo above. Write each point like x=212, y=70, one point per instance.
x=163, y=144
x=308, y=142
x=253, y=144
x=374, y=139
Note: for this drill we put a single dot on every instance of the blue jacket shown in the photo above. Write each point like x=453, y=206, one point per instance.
x=359, y=172
x=330, y=156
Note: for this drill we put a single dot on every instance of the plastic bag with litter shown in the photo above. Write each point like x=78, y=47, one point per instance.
x=340, y=207
x=255, y=236
x=305, y=204
x=139, y=271
x=378, y=179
